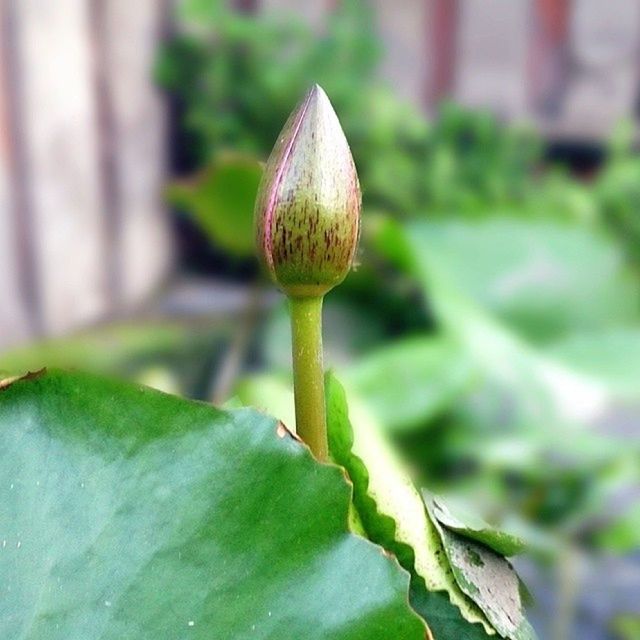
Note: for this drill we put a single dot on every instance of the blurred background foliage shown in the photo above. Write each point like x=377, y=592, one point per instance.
x=492, y=324
x=492, y=321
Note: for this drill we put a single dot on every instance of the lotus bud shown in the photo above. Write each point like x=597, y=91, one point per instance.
x=308, y=206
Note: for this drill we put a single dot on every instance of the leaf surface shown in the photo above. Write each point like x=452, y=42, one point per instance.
x=130, y=514
x=488, y=579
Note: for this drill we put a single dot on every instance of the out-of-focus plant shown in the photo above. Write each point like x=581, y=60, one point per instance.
x=173, y=355
x=234, y=75
x=220, y=198
x=626, y=627
x=618, y=192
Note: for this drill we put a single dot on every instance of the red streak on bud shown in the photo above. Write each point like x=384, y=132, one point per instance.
x=271, y=205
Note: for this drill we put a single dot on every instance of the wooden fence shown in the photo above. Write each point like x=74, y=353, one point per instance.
x=83, y=232
x=570, y=66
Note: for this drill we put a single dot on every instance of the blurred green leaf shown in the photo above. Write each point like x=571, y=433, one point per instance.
x=221, y=200
x=410, y=382
x=612, y=356
x=527, y=405
x=183, y=350
x=617, y=191
x=542, y=279
x=537, y=389
x=270, y=394
x=623, y=534
x=130, y=513
x=626, y=627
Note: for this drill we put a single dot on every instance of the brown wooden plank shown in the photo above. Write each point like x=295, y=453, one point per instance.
x=442, y=29
x=602, y=88
x=14, y=324
x=58, y=121
x=548, y=63
x=313, y=13
x=405, y=63
x=493, y=47
x=133, y=133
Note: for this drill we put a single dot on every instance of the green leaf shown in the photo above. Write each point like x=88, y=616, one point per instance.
x=488, y=579
x=540, y=390
x=127, y=513
x=623, y=534
x=473, y=527
x=444, y=618
x=626, y=627
x=221, y=200
x=411, y=381
x=612, y=356
x=542, y=279
x=391, y=509
x=546, y=399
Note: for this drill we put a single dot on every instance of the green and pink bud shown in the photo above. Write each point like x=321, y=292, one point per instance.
x=308, y=206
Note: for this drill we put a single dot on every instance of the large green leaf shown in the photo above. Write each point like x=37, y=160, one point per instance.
x=129, y=514
x=376, y=485
x=428, y=537
x=542, y=279
x=444, y=618
x=540, y=390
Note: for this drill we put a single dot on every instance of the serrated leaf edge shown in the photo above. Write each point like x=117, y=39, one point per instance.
x=424, y=564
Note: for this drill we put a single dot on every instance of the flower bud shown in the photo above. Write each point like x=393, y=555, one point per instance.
x=308, y=206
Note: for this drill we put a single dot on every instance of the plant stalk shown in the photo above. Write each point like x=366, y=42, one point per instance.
x=308, y=382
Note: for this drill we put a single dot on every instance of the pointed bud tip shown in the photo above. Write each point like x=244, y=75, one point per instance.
x=317, y=93
x=308, y=205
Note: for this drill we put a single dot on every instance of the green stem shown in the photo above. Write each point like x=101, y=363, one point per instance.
x=308, y=383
